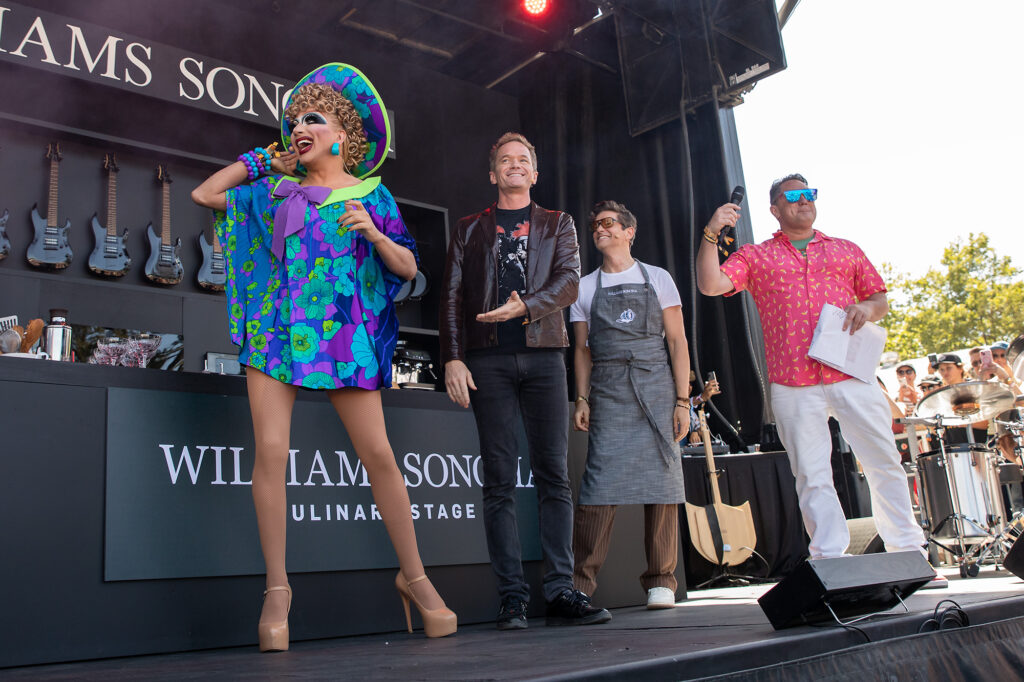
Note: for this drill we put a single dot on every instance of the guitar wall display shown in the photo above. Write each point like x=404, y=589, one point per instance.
x=212, y=273
x=50, y=247
x=164, y=264
x=5, y=243
x=110, y=255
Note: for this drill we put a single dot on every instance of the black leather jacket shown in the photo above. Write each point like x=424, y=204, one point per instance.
x=470, y=284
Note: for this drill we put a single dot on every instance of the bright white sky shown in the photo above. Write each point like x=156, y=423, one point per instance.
x=906, y=115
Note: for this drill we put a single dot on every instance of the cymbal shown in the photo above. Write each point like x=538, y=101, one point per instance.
x=967, y=402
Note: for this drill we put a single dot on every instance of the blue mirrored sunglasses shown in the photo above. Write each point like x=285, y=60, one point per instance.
x=793, y=195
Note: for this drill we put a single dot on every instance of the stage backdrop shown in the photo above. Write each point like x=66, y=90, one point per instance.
x=179, y=489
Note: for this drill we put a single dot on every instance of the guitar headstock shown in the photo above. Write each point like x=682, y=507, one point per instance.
x=163, y=175
x=110, y=163
x=53, y=152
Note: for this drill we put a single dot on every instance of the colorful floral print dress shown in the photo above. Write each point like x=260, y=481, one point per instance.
x=325, y=317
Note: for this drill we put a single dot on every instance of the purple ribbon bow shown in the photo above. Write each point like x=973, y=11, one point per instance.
x=291, y=214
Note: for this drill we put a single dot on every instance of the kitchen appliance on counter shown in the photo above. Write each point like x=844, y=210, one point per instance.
x=412, y=368
x=57, y=336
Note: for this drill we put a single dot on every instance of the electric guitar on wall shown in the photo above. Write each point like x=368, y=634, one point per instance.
x=212, y=273
x=164, y=265
x=50, y=247
x=110, y=255
x=5, y=243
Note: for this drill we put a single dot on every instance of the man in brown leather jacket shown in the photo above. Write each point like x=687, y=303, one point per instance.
x=511, y=270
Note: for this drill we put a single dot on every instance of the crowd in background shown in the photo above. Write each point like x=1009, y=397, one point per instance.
x=984, y=364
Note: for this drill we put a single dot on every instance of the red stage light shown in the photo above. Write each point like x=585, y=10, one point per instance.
x=535, y=7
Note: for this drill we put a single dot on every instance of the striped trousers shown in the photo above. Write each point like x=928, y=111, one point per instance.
x=592, y=530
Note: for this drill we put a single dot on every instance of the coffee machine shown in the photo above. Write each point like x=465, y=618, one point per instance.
x=412, y=368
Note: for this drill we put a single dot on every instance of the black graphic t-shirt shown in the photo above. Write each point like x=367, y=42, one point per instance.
x=513, y=236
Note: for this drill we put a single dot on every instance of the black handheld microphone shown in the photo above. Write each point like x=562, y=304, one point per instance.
x=737, y=196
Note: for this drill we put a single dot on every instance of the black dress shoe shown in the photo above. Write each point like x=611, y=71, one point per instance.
x=512, y=615
x=572, y=607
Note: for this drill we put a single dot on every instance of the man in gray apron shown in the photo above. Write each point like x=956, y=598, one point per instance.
x=633, y=402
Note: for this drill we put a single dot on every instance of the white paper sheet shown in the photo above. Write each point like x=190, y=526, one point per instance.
x=855, y=354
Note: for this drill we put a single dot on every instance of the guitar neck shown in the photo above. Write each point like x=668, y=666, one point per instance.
x=165, y=219
x=216, y=242
x=51, y=204
x=111, y=203
x=709, y=454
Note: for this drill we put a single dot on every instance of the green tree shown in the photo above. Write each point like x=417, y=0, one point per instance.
x=975, y=297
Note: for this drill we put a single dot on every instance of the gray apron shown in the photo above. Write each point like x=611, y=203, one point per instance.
x=632, y=456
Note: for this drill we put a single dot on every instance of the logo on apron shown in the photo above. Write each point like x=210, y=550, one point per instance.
x=626, y=316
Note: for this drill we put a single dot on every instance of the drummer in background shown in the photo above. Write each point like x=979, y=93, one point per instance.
x=951, y=369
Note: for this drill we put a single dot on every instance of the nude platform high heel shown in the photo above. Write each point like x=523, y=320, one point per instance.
x=439, y=622
x=274, y=636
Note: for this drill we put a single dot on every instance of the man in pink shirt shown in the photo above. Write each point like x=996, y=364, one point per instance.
x=790, y=277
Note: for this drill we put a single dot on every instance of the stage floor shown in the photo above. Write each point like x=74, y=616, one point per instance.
x=713, y=632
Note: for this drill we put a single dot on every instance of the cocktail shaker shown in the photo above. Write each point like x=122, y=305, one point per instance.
x=57, y=335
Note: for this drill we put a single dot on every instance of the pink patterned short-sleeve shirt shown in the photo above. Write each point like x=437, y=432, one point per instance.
x=790, y=289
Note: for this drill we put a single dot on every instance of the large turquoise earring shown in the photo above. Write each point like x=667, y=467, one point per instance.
x=336, y=149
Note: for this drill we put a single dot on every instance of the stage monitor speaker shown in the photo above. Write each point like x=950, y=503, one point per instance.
x=1014, y=561
x=850, y=586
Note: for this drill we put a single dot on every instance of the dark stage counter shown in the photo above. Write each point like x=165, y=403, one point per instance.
x=130, y=527
x=103, y=556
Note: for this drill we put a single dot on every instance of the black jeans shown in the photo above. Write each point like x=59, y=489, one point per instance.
x=531, y=386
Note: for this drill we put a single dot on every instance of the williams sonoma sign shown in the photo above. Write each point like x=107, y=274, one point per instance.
x=179, y=489
x=73, y=48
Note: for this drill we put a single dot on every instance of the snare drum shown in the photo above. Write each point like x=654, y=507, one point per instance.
x=973, y=472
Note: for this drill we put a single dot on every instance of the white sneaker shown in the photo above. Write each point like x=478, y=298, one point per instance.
x=660, y=598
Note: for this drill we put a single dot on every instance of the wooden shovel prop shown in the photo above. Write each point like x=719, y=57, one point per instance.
x=724, y=535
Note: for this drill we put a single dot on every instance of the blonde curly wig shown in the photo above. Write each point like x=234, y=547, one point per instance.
x=327, y=100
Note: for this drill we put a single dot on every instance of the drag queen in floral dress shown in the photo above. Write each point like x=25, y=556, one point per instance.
x=316, y=250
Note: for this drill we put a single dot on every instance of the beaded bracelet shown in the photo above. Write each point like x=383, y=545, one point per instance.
x=257, y=162
x=250, y=165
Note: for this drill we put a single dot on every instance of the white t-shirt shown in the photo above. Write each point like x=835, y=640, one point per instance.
x=664, y=287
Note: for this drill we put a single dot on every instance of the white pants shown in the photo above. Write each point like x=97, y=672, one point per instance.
x=801, y=414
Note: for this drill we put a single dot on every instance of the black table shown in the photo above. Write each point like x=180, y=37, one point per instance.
x=765, y=479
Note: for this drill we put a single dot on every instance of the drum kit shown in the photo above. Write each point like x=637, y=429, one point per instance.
x=960, y=486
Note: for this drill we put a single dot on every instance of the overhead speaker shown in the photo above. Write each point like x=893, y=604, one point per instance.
x=727, y=45
x=651, y=64
x=676, y=55
x=824, y=589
